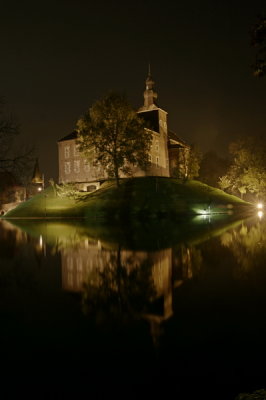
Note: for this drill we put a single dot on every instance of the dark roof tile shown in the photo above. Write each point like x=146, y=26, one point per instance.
x=172, y=135
x=70, y=136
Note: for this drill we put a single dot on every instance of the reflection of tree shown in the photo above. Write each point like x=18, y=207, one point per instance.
x=187, y=263
x=257, y=395
x=120, y=290
x=248, y=244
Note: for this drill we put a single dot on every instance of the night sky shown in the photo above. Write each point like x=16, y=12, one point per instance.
x=58, y=57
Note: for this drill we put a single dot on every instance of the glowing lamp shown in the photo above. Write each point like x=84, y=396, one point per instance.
x=259, y=206
x=39, y=189
x=260, y=214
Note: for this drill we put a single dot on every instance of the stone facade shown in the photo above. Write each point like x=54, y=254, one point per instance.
x=168, y=153
x=73, y=167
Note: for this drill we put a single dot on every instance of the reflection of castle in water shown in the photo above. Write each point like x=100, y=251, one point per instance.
x=169, y=269
x=83, y=259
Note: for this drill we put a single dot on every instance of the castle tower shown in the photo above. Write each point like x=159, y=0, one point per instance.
x=150, y=96
x=36, y=176
x=156, y=120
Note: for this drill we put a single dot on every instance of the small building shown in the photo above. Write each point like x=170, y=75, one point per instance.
x=168, y=153
x=36, y=184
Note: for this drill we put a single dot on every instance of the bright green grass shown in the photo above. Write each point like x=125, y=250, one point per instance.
x=140, y=198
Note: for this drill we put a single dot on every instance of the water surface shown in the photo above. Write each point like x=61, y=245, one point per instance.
x=148, y=310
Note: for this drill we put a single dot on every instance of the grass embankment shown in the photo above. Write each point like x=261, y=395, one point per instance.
x=137, y=198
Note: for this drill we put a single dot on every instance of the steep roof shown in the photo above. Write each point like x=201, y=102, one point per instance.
x=172, y=136
x=70, y=136
x=36, y=176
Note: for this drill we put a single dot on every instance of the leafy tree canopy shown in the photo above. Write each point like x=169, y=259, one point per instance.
x=112, y=134
x=247, y=172
x=194, y=157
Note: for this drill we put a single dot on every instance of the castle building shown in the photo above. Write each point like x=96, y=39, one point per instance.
x=168, y=153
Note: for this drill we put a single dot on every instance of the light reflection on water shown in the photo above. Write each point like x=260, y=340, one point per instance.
x=190, y=283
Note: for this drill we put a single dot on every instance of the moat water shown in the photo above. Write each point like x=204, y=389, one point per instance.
x=148, y=311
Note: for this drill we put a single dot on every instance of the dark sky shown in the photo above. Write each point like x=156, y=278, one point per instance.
x=58, y=57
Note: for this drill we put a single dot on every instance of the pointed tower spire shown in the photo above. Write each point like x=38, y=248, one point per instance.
x=149, y=70
x=36, y=177
x=150, y=96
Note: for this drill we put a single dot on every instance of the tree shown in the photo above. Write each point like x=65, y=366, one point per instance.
x=258, y=40
x=247, y=172
x=121, y=289
x=113, y=135
x=13, y=159
x=192, y=162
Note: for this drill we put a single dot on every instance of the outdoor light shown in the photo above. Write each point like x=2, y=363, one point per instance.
x=260, y=214
x=39, y=189
x=259, y=206
x=203, y=212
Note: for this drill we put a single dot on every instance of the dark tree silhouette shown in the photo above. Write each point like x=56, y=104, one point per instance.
x=258, y=40
x=120, y=291
x=14, y=158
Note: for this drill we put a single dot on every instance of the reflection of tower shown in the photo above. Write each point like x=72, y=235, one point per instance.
x=162, y=277
x=170, y=270
x=162, y=306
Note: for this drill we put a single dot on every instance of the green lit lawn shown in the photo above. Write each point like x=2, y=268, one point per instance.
x=140, y=198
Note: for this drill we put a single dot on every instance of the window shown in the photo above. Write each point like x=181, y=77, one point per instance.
x=86, y=166
x=67, y=151
x=150, y=158
x=77, y=166
x=157, y=145
x=67, y=167
x=157, y=161
x=76, y=150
